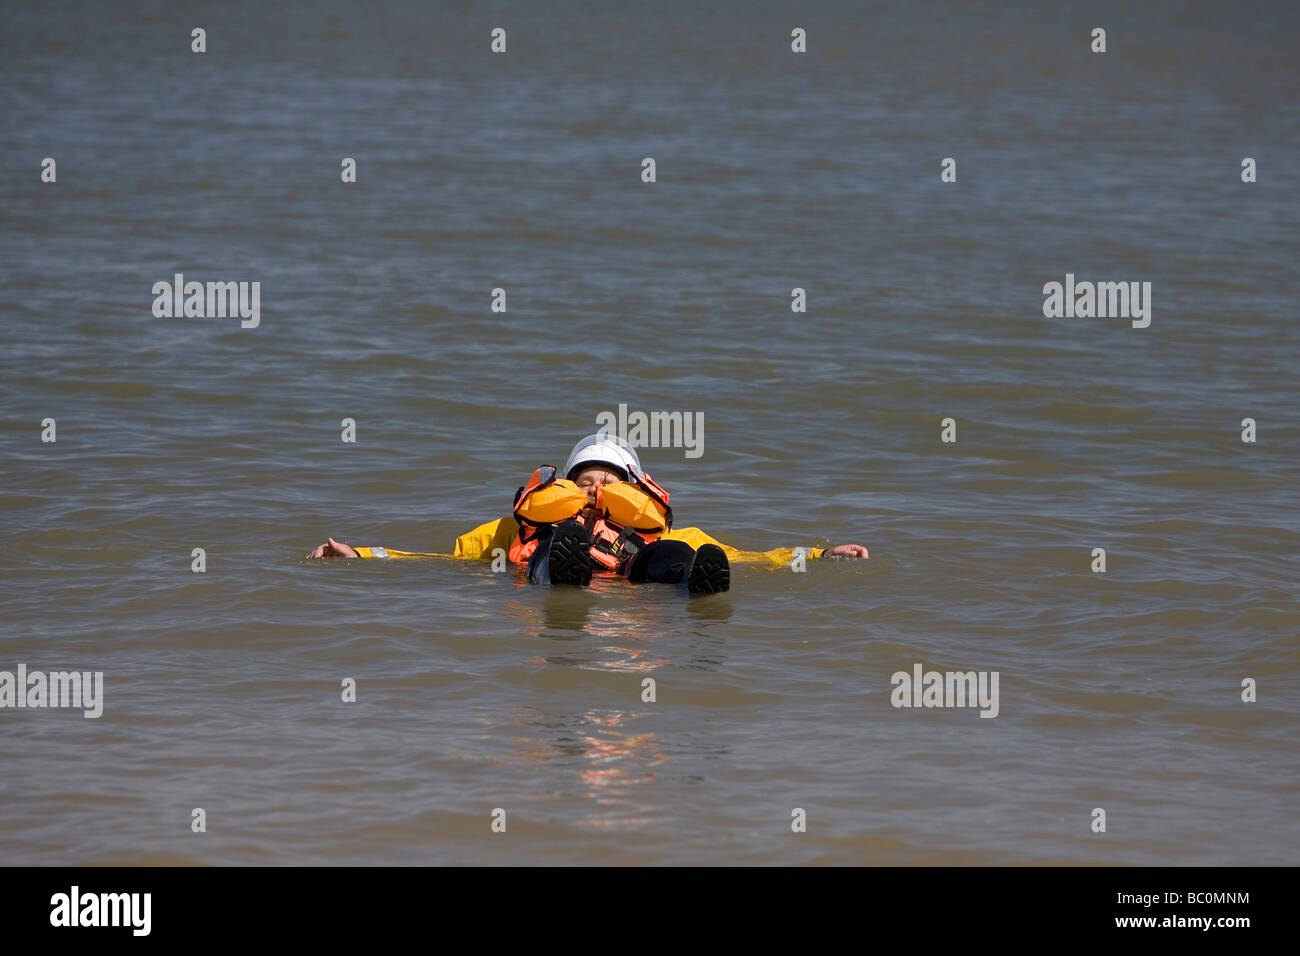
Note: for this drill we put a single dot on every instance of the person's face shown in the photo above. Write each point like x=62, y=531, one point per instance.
x=589, y=479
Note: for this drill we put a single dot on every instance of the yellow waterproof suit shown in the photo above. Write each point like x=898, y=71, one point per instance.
x=486, y=538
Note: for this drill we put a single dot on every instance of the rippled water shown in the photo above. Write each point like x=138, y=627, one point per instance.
x=475, y=691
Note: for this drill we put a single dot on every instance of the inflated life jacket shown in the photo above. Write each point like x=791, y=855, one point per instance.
x=632, y=514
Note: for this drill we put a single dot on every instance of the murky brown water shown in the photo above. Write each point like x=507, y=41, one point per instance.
x=222, y=690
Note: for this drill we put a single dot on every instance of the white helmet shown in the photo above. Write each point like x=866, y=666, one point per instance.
x=605, y=449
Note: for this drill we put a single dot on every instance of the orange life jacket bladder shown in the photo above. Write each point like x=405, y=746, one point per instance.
x=632, y=514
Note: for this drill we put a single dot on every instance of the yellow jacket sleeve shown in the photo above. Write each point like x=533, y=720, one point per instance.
x=486, y=538
x=387, y=554
x=776, y=557
x=479, y=543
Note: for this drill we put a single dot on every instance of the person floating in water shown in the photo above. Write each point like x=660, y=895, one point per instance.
x=602, y=514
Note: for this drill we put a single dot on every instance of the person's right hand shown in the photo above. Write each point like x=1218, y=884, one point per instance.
x=334, y=549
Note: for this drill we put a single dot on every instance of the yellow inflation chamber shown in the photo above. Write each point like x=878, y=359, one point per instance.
x=631, y=507
x=556, y=502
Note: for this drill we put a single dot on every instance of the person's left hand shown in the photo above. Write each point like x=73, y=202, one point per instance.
x=845, y=551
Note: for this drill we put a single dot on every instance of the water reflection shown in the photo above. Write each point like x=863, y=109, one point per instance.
x=602, y=756
x=612, y=765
